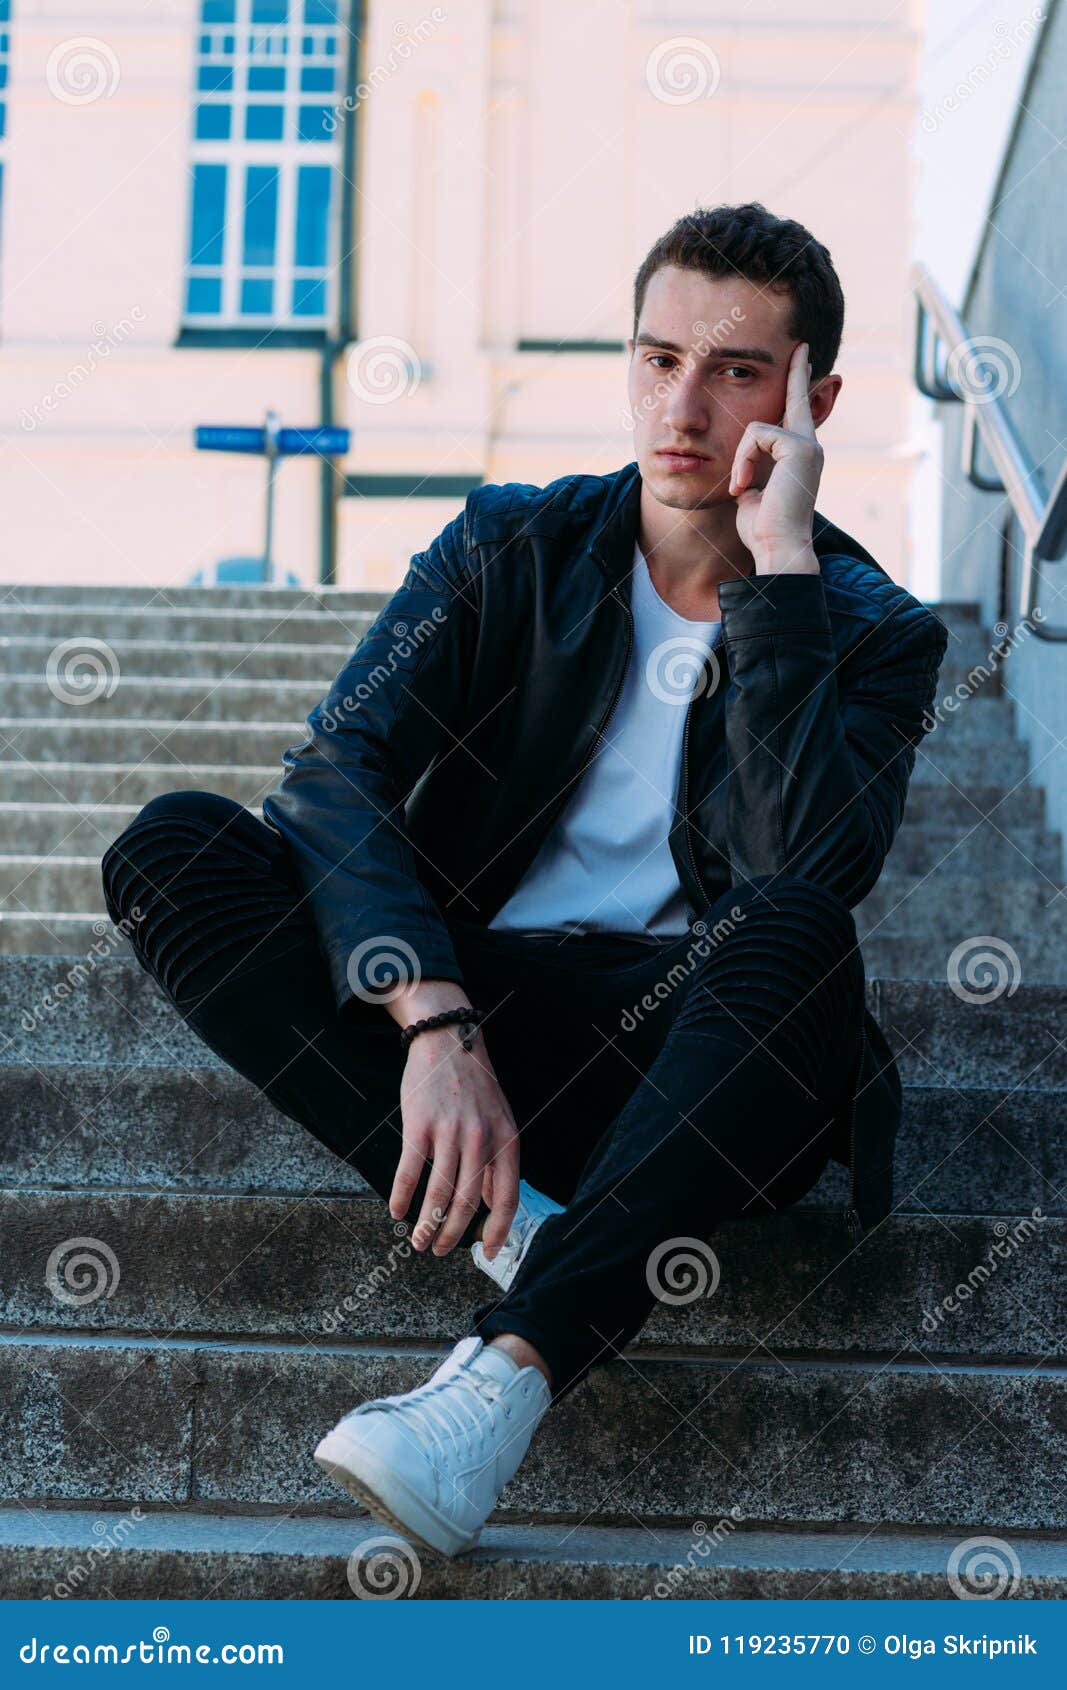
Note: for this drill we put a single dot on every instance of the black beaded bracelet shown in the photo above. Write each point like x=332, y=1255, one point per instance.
x=464, y=1014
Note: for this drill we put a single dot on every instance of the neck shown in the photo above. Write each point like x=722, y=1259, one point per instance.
x=690, y=552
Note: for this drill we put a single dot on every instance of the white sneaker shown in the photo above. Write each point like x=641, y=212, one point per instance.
x=533, y=1210
x=432, y=1462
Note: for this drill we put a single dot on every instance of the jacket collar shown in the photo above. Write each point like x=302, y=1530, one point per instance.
x=612, y=544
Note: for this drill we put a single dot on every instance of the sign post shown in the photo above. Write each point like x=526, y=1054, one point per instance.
x=273, y=442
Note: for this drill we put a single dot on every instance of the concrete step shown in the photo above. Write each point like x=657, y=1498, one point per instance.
x=912, y=956
x=50, y=595
x=319, y=1269
x=68, y=878
x=135, y=783
x=175, y=1420
x=313, y=1557
x=134, y=696
x=907, y=930
x=939, y=805
x=953, y=905
x=76, y=738
x=977, y=847
x=168, y=1128
x=90, y=1552
x=987, y=676
x=207, y=661
x=114, y=1012
x=1009, y=807
x=985, y=715
x=964, y=765
x=64, y=624
x=190, y=1128
x=918, y=954
x=972, y=844
x=956, y=613
x=238, y=701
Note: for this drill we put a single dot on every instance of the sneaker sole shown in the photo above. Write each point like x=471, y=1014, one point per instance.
x=388, y=1499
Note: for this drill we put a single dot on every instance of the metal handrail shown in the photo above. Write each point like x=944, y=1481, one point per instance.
x=1042, y=515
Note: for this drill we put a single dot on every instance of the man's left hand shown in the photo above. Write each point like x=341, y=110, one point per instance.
x=775, y=478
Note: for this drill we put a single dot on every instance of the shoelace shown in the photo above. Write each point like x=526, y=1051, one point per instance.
x=435, y=1417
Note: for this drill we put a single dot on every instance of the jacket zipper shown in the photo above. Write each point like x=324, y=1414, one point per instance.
x=852, y=1219
x=569, y=788
x=622, y=673
x=702, y=893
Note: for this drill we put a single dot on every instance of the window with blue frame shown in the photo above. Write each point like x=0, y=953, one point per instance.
x=265, y=163
x=5, y=20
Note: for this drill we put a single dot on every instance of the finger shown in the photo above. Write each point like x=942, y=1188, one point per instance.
x=407, y=1176
x=464, y=1199
x=438, y=1195
x=757, y=439
x=797, y=415
x=505, y=1198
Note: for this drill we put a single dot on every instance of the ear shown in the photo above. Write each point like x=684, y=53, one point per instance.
x=823, y=396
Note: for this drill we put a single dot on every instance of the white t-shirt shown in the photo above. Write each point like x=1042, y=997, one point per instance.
x=606, y=864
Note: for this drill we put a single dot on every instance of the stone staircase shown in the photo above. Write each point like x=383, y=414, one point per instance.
x=819, y=1427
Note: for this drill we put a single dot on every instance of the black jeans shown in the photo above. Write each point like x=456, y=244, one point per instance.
x=659, y=1086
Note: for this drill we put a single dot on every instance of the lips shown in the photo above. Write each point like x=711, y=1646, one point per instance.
x=680, y=452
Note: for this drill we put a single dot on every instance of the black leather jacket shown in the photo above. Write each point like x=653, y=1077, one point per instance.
x=458, y=728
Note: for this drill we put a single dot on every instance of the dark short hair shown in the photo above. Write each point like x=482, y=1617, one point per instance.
x=749, y=241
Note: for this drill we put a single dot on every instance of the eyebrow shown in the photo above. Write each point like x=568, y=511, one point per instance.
x=735, y=354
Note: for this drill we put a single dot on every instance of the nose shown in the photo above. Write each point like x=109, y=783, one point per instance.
x=687, y=408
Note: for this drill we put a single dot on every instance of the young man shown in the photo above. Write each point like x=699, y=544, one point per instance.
x=603, y=780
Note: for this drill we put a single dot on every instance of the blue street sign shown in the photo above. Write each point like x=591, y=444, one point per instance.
x=289, y=442
x=327, y=442
x=231, y=439
x=273, y=442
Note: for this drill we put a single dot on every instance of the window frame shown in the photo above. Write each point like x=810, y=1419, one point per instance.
x=287, y=156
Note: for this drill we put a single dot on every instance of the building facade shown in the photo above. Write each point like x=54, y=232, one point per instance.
x=422, y=226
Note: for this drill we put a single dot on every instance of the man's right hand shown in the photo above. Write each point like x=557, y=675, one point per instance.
x=455, y=1116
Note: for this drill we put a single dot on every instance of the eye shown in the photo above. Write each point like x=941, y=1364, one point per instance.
x=664, y=355
x=743, y=369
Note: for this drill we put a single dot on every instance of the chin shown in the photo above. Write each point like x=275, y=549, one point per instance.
x=686, y=492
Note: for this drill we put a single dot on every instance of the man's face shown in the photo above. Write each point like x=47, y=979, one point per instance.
x=710, y=355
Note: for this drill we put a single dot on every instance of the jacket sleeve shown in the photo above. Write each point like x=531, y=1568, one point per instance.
x=395, y=705
x=819, y=757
